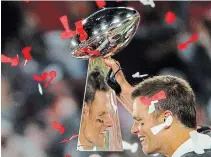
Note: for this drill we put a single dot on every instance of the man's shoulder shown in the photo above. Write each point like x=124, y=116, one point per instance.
x=203, y=130
x=193, y=154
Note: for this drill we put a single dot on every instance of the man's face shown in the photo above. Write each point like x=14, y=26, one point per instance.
x=142, y=127
x=98, y=119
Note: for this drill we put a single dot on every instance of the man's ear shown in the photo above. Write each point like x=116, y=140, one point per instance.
x=86, y=109
x=166, y=114
x=168, y=118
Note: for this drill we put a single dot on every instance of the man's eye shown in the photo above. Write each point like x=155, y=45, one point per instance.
x=99, y=120
x=141, y=123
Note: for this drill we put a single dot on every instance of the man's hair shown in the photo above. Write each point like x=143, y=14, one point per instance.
x=96, y=81
x=180, y=99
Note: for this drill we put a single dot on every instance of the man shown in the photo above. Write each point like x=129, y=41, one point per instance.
x=96, y=112
x=164, y=114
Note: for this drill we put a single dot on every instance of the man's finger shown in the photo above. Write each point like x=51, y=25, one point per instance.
x=112, y=64
x=115, y=66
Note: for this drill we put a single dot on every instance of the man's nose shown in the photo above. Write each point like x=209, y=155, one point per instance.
x=134, y=129
x=108, y=122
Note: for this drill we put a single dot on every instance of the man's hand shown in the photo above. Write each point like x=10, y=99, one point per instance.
x=115, y=66
x=126, y=88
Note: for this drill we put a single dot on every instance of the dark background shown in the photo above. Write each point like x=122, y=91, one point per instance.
x=27, y=115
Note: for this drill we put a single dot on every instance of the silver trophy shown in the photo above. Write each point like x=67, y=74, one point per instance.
x=108, y=31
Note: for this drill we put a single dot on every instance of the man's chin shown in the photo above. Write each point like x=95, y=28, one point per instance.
x=146, y=151
x=99, y=142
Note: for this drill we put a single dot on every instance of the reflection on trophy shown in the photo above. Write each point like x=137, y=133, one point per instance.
x=109, y=31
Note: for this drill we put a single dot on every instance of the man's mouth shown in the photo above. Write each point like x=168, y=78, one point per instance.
x=141, y=138
x=103, y=132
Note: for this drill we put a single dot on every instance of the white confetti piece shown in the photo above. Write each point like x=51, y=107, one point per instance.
x=196, y=146
x=156, y=129
x=40, y=89
x=152, y=106
x=148, y=2
x=25, y=62
x=137, y=75
x=128, y=146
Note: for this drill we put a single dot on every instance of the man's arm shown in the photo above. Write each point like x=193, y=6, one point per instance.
x=126, y=89
x=125, y=99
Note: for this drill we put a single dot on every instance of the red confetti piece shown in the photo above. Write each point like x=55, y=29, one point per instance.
x=83, y=34
x=74, y=136
x=64, y=22
x=147, y=101
x=41, y=78
x=58, y=127
x=67, y=140
x=100, y=4
x=64, y=141
x=184, y=45
x=69, y=33
x=52, y=75
x=88, y=51
x=67, y=155
x=13, y=61
x=26, y=53
x=5, y=59
x=81, y=31
x=170, y=17
x=94, y=52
